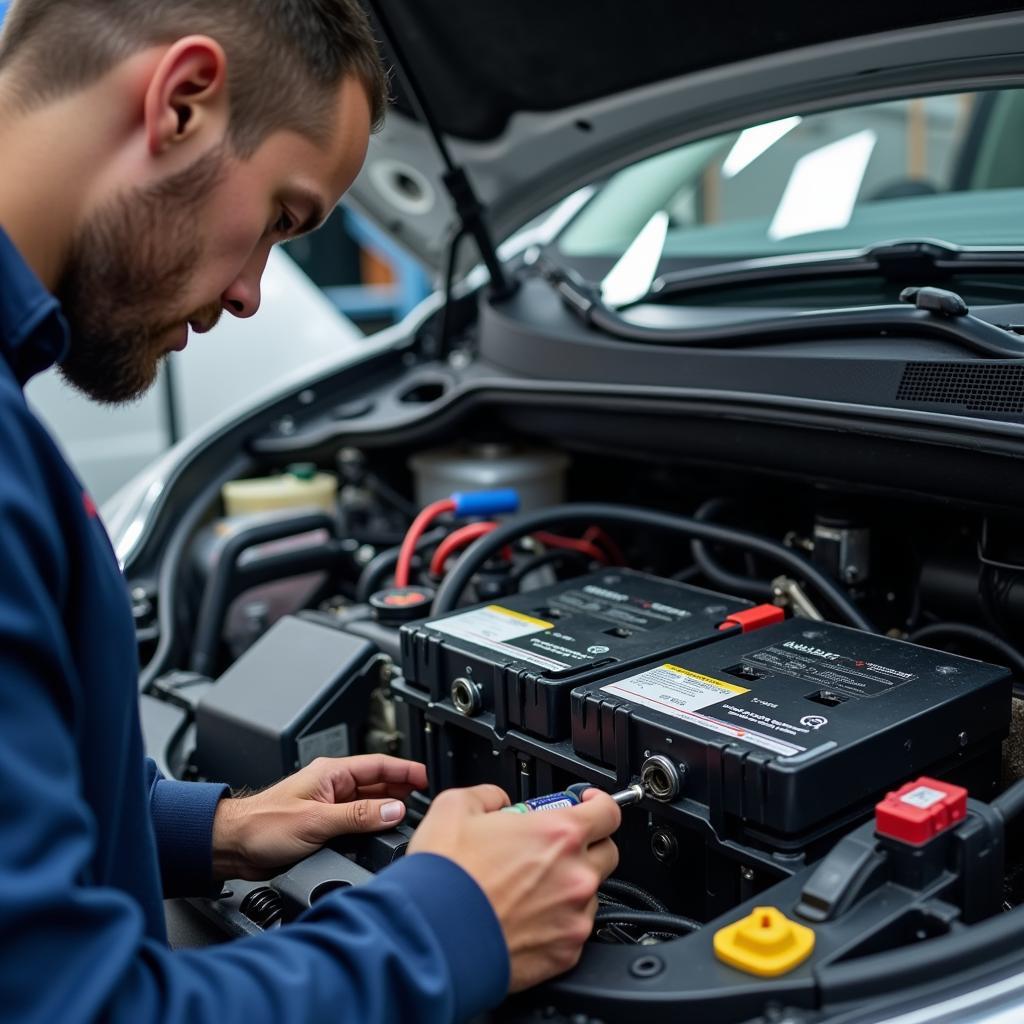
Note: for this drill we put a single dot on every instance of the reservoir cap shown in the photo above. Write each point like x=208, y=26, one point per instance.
x=765, y=943
x=402, y=604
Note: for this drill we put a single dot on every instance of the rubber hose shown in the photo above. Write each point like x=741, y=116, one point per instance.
x=647, y=919
x=628, y=891
x=477, y=554
x=372, y=578
x=730, y=582
x=217, y=594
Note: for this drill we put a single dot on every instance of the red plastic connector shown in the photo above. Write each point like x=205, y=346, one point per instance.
x=755, y=618
x=920, y=810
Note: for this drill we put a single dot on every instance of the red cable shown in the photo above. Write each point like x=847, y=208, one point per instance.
x=598, y=536
x=466, y=535
x=456, y=542
x=418, y=528
x=584, y=547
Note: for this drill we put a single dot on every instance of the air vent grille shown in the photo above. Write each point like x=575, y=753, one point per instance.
x=977, y=387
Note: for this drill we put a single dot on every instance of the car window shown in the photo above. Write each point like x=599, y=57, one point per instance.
x=945, y=166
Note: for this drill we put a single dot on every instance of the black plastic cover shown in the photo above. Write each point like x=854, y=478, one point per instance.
x=297, y=694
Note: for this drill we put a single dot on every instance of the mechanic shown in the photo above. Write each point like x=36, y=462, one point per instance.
x=154, y=152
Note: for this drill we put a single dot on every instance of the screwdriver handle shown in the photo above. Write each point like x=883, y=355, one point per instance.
x=572, y=796
x=552, y=801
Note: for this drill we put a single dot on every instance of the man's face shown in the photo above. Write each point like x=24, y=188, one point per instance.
x=164, y=257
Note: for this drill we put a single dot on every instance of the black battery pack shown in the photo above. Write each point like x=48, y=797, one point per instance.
x=518, y=658
x=791, y=727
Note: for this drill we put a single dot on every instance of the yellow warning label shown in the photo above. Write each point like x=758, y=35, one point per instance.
x=731, y=687
x=539, y=623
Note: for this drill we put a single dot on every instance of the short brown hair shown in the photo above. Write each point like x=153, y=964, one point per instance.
x=286, y=58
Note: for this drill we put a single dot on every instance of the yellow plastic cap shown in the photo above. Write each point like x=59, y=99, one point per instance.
x=766, y=943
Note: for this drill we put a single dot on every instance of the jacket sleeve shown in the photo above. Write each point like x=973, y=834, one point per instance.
x=182, y=814
x=418, y=944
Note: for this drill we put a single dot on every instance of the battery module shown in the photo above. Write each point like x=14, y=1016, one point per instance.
x=792, y=726
x=519, y=657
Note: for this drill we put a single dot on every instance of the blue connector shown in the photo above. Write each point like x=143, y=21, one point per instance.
x=486, y=503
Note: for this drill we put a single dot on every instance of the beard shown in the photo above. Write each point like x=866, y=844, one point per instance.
x=128, y=266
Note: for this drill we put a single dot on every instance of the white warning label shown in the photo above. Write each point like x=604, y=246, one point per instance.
x=493, y=627
x=678, y=692
x=923, y=797
x=675, y=687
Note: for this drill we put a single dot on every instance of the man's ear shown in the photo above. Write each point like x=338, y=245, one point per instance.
x=187, y=94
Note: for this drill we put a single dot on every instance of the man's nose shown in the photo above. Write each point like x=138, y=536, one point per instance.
x=243, y=297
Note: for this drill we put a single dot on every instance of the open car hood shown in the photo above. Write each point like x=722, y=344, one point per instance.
x=536, y=99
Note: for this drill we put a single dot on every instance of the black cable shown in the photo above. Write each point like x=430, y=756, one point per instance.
x=477, y=554
x=626, y=891
x=1010, y=803
x=372, y=578
x=730, y=582
x=675, y=923
x=974, y=634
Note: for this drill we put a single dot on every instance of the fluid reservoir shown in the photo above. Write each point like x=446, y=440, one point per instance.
x=538, y=475
x=302, y=486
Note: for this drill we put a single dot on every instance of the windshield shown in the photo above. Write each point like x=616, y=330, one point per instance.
x=948, y=167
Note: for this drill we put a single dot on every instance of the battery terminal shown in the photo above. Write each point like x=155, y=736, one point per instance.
x=661, y=779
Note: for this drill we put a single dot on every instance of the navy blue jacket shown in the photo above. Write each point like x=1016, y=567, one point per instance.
x=92, y=839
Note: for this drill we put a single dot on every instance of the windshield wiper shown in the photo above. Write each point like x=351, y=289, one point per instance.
x=909, y=261
x=926, y=312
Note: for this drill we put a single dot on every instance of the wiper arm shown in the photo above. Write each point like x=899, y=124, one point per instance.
x=927, y=312
x=909, y=261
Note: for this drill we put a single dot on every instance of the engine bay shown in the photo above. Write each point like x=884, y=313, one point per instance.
x=814, y=688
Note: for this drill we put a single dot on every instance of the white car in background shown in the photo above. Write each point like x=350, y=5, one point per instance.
x=296, y=327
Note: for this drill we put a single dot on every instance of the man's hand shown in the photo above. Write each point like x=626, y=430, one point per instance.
x=257, y=836
x=540, y=871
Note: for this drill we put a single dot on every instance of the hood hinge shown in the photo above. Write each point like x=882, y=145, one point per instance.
x=471, y=212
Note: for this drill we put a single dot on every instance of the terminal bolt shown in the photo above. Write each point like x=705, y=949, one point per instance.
x=466, y=697
x=661, y=778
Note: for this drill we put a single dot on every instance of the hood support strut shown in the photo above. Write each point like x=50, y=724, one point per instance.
x=470, y=210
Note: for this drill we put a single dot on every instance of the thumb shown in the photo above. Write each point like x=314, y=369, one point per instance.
x=367, y=816
x=486, y=798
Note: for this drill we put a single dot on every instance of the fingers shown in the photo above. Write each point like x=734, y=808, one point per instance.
x=400, y=791
x=482, y=799
x=366, y=816
x=599, y=813
x=368, y=769
x=374, y=769
x=604, y=858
